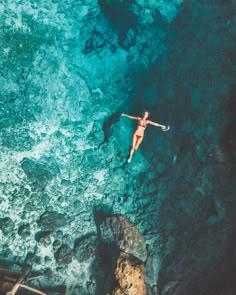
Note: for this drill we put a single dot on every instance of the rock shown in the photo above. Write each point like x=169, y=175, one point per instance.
x=168, y=9
x=45, y=241
x=6, y=225
x=85, y=247
x=47, y=260
x=221, y=158
x=51, y=220
x=68, y=240
x=22, y=142
x=119, y=230
x=143, y=10
x=58, y=234
x=56, y=244
x=127, y=40
x=97, y=41
x=24, y=230
x=64, y=255
x=40, y=172
x=129, y=276
x=152, y=268
x=32, y=258
x=43, y=238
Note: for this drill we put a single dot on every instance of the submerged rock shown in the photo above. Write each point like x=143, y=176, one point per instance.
x=129, y=276
x=40, y=172
x=221, y=159
x=64, y=255
x=119, y=230
x=6, y=225
x=144, y=10
x=44, y=239
x=24, y=230
x=51, y=220
x=85, y=247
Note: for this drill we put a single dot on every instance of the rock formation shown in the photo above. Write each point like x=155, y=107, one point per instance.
x=129, y=254
x=120, y=231
x=130, y=276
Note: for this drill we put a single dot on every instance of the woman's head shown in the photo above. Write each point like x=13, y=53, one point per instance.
x=146, y=114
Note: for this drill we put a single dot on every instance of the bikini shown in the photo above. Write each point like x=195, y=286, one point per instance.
x=143, y=126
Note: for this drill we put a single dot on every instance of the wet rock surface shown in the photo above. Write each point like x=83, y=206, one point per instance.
x=64, y=255
x=6, y=225
x=118, y=230
x=51, y=220
x=129, y=276
x=85, y=247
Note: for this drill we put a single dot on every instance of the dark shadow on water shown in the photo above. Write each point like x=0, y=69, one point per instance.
x=120, y=16
x=10, y=265
x=228, y=142
x=204, y=259
x=108, y=124
x=103, y=269
x=229, y=137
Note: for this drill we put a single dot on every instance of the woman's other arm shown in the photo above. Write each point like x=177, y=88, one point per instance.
x=156, y=124
x=131, y=117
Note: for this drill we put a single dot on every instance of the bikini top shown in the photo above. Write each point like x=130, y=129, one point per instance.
x=140, y=125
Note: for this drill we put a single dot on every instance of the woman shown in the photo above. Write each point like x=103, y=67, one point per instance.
x=139, y=133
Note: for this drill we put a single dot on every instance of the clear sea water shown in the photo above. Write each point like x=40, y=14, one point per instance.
x=68, y=70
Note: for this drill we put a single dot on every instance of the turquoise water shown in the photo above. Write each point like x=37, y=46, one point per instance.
x=68, y=70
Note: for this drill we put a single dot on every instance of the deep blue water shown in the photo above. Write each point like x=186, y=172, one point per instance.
x=68, y=70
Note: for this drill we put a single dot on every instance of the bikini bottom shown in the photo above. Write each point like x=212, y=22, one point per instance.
x=139, y=136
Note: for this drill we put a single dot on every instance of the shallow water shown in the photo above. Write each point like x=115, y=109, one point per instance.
x=68, y=70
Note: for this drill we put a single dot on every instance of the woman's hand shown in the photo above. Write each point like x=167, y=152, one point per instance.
x=165, y=128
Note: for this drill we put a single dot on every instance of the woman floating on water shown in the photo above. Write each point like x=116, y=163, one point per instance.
x=139, y=133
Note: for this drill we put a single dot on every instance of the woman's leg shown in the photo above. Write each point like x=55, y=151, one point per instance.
x=138, y=142
x=133, y=147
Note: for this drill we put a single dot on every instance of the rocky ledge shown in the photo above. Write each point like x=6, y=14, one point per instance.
x=130, y=276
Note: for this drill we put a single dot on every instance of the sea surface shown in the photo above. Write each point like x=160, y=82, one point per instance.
x=68, y=70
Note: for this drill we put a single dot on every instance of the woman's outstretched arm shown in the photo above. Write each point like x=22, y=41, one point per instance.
x=131, y=117
x=156, y=124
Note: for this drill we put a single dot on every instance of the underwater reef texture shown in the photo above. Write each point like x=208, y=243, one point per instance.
x=68, y=198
